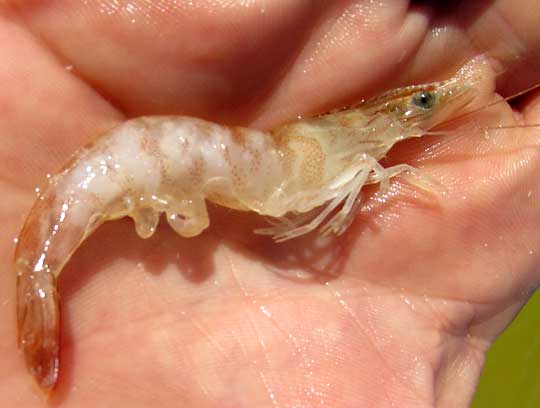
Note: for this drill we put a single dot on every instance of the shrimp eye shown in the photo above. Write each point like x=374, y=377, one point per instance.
x=424, y=99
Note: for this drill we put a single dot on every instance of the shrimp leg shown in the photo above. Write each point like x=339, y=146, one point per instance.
x=340, y=221
x=190, y=218
x=421, y=179
x=281, y=236
x=349, y=194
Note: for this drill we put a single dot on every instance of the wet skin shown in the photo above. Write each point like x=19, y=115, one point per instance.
x=400, y=311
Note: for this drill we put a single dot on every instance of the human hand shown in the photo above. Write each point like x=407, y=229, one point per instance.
x=398, y=311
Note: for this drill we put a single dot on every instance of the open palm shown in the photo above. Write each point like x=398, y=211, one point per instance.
x=397, y=312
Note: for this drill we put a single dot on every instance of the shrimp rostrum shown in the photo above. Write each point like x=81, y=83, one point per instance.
x=306, y=175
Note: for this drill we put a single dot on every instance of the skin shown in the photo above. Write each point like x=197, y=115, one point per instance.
x=398, y=312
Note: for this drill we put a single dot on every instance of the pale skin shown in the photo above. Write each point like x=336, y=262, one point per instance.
x=417, y=291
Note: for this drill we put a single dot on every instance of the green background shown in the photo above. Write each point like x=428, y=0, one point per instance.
x=511, y=377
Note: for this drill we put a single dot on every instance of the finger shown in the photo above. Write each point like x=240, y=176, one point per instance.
x=204, y=58
x=508, y=30
x=228, y=62
x=46, y=112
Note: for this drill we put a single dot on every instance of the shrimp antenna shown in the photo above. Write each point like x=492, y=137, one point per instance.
x=502, y=127
x=481, y=108
x=505, y=99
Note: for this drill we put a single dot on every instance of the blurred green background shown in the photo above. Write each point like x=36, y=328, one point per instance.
x=511, y=377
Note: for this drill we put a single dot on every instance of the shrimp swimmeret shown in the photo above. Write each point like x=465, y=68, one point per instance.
x=173, y=164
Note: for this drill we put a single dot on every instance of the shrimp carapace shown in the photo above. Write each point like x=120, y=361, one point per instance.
x=173, y=165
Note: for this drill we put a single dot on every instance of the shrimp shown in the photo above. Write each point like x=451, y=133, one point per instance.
x=306, y=175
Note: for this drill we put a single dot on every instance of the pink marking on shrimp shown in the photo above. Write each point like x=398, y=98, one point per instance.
x=173, y=165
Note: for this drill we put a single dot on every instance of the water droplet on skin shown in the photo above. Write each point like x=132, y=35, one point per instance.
x=42, y=293
x=15, y=240
x=265, y=311
x=529, y=194
x=69, y=67
x=131, y=8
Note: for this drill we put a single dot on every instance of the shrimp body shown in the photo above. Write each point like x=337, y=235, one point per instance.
x=173, y=165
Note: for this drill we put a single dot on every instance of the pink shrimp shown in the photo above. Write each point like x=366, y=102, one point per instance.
x=166, y=164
